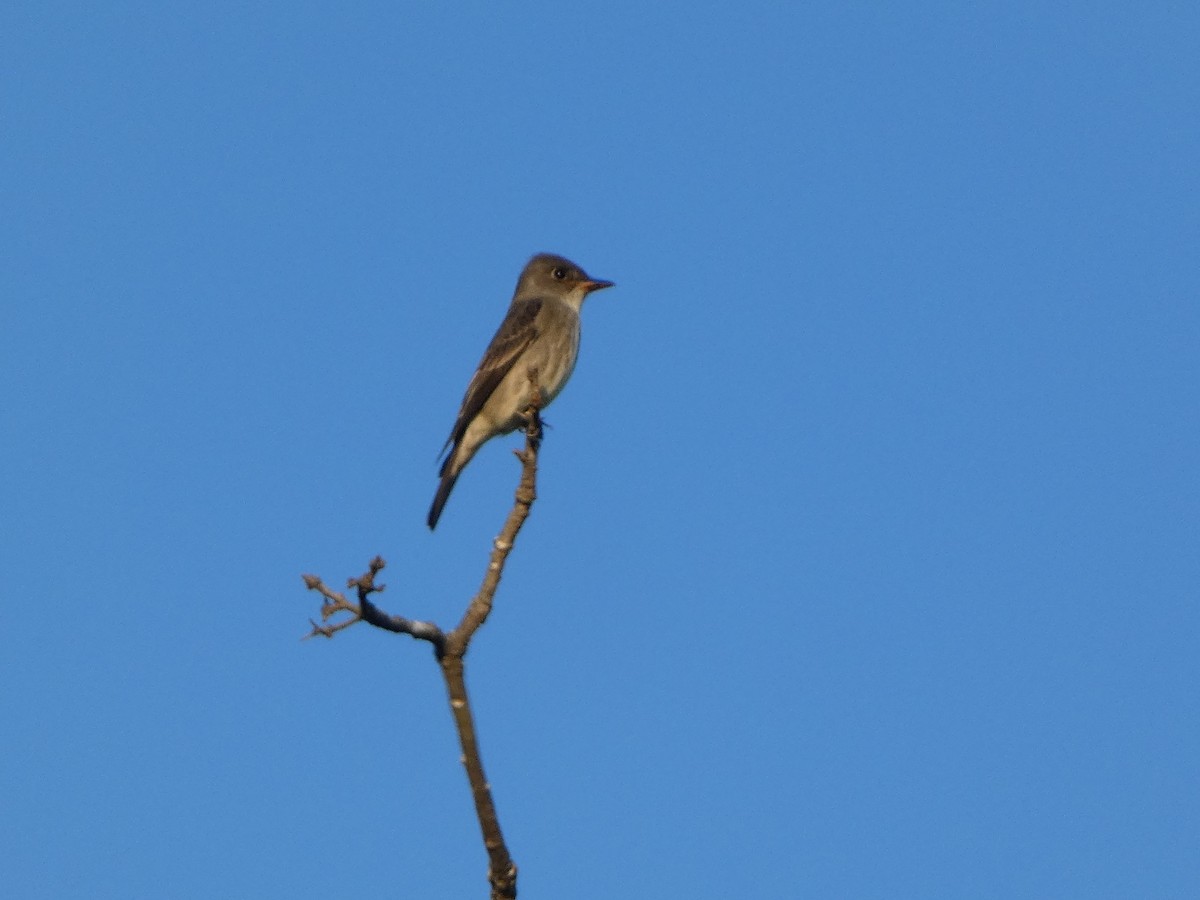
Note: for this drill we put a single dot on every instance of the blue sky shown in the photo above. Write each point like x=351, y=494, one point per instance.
x=865, y=562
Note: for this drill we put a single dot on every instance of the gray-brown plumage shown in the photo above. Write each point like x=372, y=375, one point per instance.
x=540, y=331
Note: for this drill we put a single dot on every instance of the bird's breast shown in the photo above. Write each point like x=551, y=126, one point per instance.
x=557, y=353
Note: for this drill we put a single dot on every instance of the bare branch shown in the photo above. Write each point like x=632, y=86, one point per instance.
x=366, y=611
x=481, y=604
x=451, y=648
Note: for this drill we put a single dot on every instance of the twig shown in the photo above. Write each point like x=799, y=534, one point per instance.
x=451, y=648
x=366, y=611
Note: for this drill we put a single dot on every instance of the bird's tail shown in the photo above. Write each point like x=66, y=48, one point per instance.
x=449, y=476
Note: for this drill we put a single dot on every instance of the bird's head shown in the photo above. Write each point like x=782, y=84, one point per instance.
x=550, y=275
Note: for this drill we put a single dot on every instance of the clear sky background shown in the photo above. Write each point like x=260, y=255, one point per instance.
x=866, y=558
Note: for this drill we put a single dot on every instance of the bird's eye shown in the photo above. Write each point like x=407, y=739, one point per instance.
x=559, y=273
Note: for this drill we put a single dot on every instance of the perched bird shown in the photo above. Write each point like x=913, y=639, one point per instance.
x=541, y=331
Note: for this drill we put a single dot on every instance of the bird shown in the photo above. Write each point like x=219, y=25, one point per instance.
x=540, y=331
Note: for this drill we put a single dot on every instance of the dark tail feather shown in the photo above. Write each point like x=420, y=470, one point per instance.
x=442, y=495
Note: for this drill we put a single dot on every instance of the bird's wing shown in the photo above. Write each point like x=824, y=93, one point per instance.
x=514, y=335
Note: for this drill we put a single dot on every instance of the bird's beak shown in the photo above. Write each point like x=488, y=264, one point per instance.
x=596, y=285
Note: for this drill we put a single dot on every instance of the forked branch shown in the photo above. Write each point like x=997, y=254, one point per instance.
x=451, y=649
